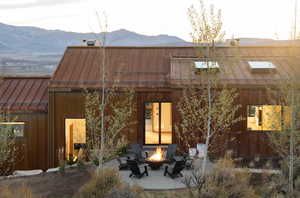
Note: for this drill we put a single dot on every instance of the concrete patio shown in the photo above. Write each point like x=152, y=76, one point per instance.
x=156, y=180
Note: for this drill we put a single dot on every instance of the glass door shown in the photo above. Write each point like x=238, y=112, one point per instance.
x=158, y=123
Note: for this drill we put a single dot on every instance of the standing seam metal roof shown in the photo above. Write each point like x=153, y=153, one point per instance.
x=153, y=66
x=28, y=94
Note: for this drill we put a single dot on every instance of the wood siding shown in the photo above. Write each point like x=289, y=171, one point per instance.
x=62, y=106
x=71, y=105
x=33, y=146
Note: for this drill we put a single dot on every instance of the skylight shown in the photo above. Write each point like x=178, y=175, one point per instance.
x=206, y=64
x=261, y=65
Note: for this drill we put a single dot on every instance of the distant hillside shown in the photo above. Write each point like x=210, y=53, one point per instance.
x=18, y=39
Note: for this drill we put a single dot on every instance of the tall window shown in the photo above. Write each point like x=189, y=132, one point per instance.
x=17, y=128
x=267, y=117
x=158, y=123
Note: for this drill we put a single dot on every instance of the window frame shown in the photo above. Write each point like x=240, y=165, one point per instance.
x=24, y=127
x=144, y=120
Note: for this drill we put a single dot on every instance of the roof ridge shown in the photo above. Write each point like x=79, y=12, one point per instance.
x=227, y=46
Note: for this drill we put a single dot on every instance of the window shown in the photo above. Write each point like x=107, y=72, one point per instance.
x=206, y=64
x=158, y=123
x=266, y=117
x=17, y=128
x=261, y=66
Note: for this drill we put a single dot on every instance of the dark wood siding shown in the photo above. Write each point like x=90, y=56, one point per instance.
x=33, y=146
x=71, y=105
x=62, y=106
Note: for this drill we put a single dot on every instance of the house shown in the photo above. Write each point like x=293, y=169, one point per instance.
x=158, y=75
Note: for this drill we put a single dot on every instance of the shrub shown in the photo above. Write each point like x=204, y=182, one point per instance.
x=101, y=184
x=278, y=185
x=107, y=184
x=122, y=149
x=224, y=181
x=20, y=192
x=61, y=161
x=8, y=151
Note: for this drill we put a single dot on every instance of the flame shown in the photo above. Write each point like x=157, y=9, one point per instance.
x=157, y=156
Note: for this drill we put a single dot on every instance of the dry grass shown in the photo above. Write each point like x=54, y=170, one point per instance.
x=19, y=192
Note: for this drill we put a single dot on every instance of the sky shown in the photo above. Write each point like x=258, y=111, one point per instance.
x=241, y=18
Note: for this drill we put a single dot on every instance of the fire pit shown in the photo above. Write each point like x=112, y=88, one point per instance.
x=156, y=160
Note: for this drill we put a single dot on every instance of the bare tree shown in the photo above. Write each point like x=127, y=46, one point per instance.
x=215, y=107
x=110, y=111
x=286, y=140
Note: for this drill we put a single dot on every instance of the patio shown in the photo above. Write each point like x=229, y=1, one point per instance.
x=156, y=180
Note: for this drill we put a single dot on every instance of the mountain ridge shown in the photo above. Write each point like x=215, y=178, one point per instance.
x=23, y=39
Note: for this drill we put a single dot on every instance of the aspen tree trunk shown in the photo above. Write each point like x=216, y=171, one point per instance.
x=102, y=146
x=208, y=116
x=291, y=160
x=208, y=130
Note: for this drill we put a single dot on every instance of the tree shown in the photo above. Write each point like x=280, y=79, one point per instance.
x=207, y=109
x=286, y=140
x=8, y=146
x=109, y=110
x=119, y=108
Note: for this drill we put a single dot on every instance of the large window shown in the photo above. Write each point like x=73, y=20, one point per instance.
x=267, y=117
x=16, y=128
x=158, y=123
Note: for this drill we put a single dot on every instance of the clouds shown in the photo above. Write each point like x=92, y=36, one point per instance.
x=14, y=4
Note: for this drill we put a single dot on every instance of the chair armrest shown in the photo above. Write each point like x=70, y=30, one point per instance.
x=131, y=156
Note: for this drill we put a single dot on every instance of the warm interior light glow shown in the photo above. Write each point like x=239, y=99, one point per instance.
x=158, y=155
x=11, y=123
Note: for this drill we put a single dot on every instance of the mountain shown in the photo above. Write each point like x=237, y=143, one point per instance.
x=19, y=39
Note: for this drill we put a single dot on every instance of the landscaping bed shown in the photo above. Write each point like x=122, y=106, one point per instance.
x=54, y=184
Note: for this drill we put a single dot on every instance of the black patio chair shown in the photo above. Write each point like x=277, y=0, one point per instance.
x=176, y=170
x=135, y=170
x=137, y=150
x=171, y=150
x=123, y=163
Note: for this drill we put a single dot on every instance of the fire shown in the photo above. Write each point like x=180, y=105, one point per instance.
x=157, y=156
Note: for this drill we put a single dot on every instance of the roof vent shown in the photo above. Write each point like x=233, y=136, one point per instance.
x=261, y=66
x=91, y=42
x=235, y=42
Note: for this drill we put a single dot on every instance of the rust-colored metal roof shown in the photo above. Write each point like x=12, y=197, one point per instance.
x=24, y=94
x=155, y=66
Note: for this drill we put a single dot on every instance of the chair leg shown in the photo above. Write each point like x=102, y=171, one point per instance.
x=166, y=171
x=146, y=171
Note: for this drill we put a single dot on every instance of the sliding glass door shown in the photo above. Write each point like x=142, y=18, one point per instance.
x=158, y=123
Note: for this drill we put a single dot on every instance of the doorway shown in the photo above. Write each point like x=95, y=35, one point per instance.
x=158, y=123
x=75, y=133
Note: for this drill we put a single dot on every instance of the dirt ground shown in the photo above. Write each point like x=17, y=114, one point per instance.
x=52, y=185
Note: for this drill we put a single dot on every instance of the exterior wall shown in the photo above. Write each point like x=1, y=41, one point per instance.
x=246, y=144
x=71, y=105
x=251, y=143
x=33, y=146
x=62, y=105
